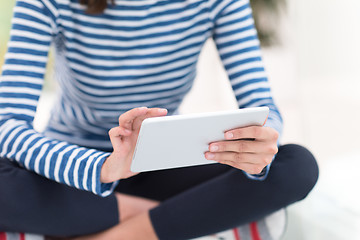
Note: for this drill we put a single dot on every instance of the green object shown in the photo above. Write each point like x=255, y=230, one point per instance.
x=267, y=15
x=5, y=23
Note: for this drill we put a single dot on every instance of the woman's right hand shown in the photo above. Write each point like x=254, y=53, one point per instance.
x=123, y=139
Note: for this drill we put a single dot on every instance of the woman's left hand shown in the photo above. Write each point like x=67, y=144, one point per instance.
x=249, y=148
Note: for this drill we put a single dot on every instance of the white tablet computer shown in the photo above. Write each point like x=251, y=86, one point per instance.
x=181, y=140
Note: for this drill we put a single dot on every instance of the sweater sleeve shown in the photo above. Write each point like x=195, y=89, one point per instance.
x=236, y=39
x=34, y=25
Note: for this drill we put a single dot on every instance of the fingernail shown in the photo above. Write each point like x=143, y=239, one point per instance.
x=162, y=110
x=141, y=108
x=210, y=156
x=214, y=148
x=127, y=130
x=229, y=135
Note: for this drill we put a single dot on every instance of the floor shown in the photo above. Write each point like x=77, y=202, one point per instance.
x=332, y=210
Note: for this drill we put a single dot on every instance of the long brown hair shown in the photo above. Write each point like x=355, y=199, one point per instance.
x=96, y=6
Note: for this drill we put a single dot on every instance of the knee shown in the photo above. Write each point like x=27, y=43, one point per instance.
x=296, y=171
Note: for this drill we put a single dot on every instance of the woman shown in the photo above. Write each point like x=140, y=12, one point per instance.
x=110, y=60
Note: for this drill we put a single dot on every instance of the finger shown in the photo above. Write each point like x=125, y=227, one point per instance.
x=243, y=146
x=253, y=132
x=250, y=168
x=119, y=131
x=262, y=159
x=126, y=119
x=247, y=167
x=157, y=112
x=152, y=112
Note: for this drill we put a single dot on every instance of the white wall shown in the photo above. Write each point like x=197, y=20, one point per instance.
x=327, y=40
x=327, y=34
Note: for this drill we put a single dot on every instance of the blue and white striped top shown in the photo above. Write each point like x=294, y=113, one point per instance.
x=138, y=53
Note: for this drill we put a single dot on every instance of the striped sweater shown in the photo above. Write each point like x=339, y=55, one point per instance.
x=137, y=53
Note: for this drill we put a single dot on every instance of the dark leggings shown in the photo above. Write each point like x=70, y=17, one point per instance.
x=196, y=201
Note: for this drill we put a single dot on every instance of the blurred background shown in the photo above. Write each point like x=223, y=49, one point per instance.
x=311, y=51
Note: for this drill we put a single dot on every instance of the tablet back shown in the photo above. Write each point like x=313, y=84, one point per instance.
x=181, y=140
